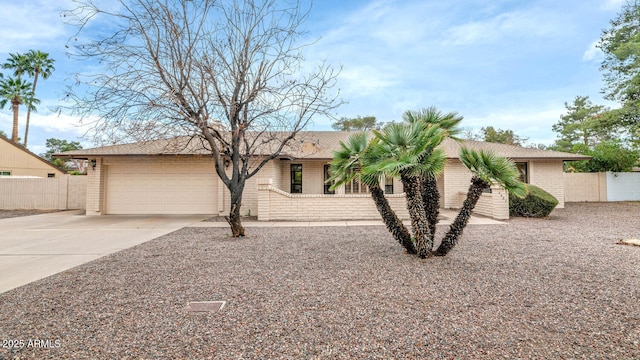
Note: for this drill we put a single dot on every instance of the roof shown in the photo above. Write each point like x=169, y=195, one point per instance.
x=306, y=145
x=38, y=157
x=514, y=152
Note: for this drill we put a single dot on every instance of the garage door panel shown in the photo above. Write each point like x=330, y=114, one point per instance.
x=161, y=188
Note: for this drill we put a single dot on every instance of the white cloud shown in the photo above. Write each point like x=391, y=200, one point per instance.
x=592, y=52
x=57, y=123
x=517, y=24
x=532, y=123
x=613, y=4
x=31, y=24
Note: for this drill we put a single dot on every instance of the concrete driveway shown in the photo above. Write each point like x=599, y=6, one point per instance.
x=34, y=247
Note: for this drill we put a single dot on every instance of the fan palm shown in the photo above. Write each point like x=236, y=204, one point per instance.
x=347, y=165
x=449, y=123
x=16, y=92
x=408, y=151
x=487, y=168
x=39, y=63
x=18, y=63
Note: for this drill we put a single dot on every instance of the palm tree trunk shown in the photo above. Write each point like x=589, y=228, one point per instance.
x=419, y=223
x=14, y=131
x=391, y=220
x=457, y=227
x=431, y=199
x=29, y=105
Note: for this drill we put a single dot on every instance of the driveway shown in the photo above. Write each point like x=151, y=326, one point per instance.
x=34, y=247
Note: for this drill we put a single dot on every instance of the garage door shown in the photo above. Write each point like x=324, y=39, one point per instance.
x=161, y=187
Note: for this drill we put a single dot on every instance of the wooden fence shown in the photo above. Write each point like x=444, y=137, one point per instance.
x=66, y=192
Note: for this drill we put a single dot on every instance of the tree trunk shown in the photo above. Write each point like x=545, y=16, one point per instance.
x=415, y=205
x=431, y=199
x=390, y=219
x=234, y=219
x=14, y=131
x=33, y=94
x=458, y=225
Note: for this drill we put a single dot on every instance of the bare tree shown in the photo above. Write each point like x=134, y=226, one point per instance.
x=226, y=72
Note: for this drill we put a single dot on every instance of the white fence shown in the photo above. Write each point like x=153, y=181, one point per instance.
x=603, y=186
x=66, y=192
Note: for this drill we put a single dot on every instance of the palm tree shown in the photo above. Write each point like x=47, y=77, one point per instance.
x=39, y=63
x=18, y=63
x=487, y=168
x=16, y=92
x=347, y=164
x=449, y=123
x=408, y=151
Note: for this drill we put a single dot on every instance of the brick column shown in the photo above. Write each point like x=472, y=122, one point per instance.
x=95, y=189
x=264, y=210
x=500, y=199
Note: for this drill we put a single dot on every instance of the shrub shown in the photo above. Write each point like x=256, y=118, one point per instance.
x=538, y=203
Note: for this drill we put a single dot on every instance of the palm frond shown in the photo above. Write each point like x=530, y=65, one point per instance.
x=346, y=164
x=493, y=169
x=431, y=115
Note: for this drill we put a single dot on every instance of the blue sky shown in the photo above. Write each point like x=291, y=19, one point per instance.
x=503, y=63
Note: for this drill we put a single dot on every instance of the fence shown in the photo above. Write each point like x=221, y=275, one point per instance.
x=603, y=186
x=62, y=193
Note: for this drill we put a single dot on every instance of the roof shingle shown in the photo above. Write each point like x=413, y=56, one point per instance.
x=308, y=145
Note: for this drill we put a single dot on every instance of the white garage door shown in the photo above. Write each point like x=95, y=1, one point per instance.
x=161, y=187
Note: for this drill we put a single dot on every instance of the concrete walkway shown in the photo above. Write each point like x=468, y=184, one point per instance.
x=34, y=247
x=447, y=215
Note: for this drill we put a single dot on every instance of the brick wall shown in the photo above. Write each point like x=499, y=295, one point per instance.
x=456, y=180
x=494, y=204
x=95, y=188
x=275, y=204
x=548, y=175
x=312, y=175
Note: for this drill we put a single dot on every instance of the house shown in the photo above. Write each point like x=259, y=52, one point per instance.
x=16, y=160
x=177, y=176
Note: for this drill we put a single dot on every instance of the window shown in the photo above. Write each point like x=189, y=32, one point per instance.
x=388, y=185
x=523, y=169
x=296, y=178
x=50, y=175
x=5, y=173
x=327, y=185
x=355, y=187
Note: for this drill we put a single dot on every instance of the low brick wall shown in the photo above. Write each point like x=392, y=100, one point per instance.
x=275, y=204
x=494, y=204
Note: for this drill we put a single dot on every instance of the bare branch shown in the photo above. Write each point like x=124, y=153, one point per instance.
x=226, y=72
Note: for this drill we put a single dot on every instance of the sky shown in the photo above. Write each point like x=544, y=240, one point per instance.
x=509, y=64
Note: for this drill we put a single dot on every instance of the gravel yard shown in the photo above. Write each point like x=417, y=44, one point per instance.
x=530, y=289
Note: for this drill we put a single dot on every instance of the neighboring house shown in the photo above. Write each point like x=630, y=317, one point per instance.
x=178, y=177
x=16, y=160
